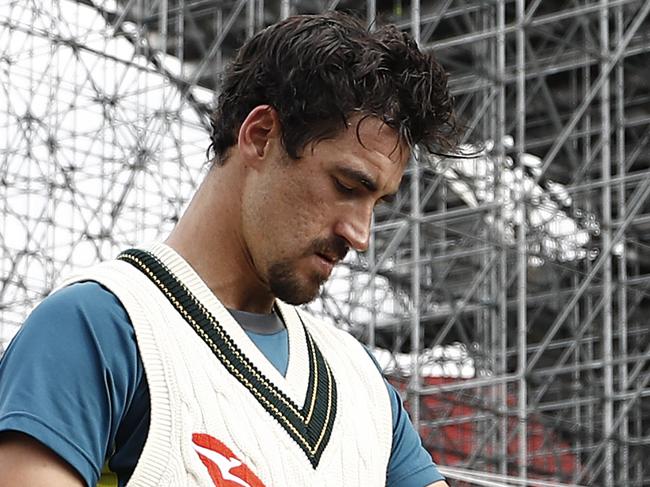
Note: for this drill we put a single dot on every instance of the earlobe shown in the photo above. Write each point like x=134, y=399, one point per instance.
x=257, y=133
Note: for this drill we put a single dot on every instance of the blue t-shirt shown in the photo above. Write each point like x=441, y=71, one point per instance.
x=72, y=378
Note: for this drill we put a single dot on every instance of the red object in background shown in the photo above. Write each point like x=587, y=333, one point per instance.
x=462, y=419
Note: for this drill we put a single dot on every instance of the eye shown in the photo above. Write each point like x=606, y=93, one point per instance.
x=342, y=187
x=387, y=200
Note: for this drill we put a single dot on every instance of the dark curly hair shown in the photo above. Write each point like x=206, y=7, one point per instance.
x=318, y=70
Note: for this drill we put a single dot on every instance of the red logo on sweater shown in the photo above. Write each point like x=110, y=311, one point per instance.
x=225, y=469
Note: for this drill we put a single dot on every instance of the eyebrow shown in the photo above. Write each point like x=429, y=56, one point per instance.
x=365, y=180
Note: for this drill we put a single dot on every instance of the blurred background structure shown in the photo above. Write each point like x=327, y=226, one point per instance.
x=505, y=294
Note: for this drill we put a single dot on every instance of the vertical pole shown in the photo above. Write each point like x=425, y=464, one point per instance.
x=415, y=290
x=485, y=335
x=179, y=23
x=522, y=258
x=500, y=288
x=180, y=35
x=590, y=416
x=415, y=20
x=371, y=14
x=606, y=203
x=163, y=21
x=219, y=21
x=163, y=31
x=577, y=411
x=622, y=265
x=250, y=19
x=415, y=256
x=285, y=9
x=259, y=21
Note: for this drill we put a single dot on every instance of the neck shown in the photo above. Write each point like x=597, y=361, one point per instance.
x=208, y=237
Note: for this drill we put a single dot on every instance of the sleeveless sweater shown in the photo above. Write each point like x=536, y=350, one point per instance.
x=221, y=413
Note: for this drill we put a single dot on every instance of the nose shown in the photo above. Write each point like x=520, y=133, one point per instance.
x=354, y=227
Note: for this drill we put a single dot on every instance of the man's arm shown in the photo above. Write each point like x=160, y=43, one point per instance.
x=28, y=463
x=441, y=483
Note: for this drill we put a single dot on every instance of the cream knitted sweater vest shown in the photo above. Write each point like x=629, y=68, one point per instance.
x=221, y=414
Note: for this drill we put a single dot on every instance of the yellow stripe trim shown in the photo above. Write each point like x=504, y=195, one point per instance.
x=107, y=478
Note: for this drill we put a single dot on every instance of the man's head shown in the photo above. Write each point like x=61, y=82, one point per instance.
x=300, y=217
x=317, y=118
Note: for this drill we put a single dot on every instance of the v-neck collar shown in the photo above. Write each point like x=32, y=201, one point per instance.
x=303, y=401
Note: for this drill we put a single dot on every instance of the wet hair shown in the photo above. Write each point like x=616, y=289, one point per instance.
x=317, y=71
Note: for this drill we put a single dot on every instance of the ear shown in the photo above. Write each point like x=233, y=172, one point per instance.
x=259, y=134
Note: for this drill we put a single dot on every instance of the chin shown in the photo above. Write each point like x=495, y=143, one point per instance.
x=297, y=295
x=292, y=286
x=295, y=291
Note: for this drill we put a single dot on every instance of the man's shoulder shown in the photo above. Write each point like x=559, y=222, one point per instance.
x=80, y=293
x=80, y=313
x=88, y=300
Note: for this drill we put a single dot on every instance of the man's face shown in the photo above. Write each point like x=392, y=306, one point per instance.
x=301, y=217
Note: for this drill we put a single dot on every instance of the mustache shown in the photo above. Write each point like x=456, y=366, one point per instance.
x=331, y=247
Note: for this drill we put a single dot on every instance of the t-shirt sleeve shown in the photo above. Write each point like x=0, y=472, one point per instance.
x=69, y=375
x=409, y=465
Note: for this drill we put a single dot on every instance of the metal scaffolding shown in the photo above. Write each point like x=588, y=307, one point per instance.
x=504, y=292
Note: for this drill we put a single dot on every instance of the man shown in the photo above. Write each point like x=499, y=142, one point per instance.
x=186, y=363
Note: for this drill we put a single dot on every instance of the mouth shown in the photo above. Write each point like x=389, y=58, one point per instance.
x=333, y=260
x=325, y=263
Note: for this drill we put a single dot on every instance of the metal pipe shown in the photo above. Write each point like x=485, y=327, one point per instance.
x=415, y=295
x=162, y=30
x=372, y=326
x=250, y=19
x=371, y=14
x=260, y=15
x=594, y=364
x=606, y=234
x=498, y=290
x=622, y=263
x=522, y=258
x=416, y=340
x=285, y=9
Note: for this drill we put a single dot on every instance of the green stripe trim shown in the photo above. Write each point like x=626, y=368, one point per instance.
x=310, y=426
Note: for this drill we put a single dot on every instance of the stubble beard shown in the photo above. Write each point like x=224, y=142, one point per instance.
x=285, y=282
x=287, y=286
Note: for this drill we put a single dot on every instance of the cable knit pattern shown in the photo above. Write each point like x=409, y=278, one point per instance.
x=193, y=392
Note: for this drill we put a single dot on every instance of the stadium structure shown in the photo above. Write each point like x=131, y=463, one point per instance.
x=505, y=292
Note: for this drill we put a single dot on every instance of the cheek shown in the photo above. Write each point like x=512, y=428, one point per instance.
x=305, y=215
x=279, y=223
